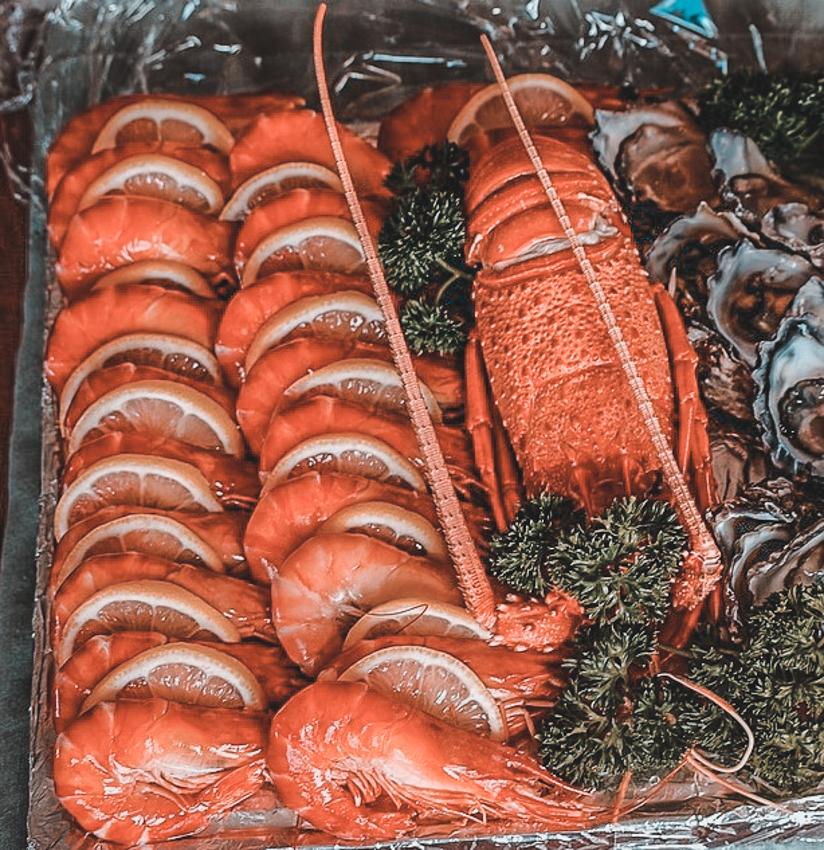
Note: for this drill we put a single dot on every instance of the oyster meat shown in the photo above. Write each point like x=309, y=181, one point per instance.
x=798, y=228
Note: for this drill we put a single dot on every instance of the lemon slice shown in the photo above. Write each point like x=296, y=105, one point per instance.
x=144, y=605
x=364, y=380
x=155, y=534
x=400, y=527
x=154, y=119
x=352, y=453
x=158, y=271
x=157, y=176
x=321, y=243
x=173, y=353
x=435, y=682
x=414, y=616
x=133, y=479
x=183, y=672
x=344, y=314
x=161, y=407
x=275, y=181
x=543, y=100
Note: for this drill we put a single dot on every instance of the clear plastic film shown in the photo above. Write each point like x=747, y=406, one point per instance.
x=56, y=61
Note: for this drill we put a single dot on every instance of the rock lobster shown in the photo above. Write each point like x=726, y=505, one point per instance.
x=590, y=370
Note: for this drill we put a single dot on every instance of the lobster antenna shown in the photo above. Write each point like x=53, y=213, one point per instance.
x=685, y=504
x=472, y=577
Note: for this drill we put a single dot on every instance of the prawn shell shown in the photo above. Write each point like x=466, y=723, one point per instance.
x=243, y=603
x=423, y=119
x=365, y=767
x=250, y=307
x=138, y=772
x=123, y=229
x=76, y=140
x=221, y=530
x=233, y=481
x=291, y=511
x=75, y=182
x=107, y=313
x=278, y=368
x=330, y=579
x=291, y=207
x=514, y=677
x=89, y=664
x=300, y=135
x=322, y=414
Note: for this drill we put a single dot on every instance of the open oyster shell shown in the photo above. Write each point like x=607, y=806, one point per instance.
x=750, y=186
x=797, y=227
x=789, y=403
x=750, y=292
x=750, y=530
x=655, y=153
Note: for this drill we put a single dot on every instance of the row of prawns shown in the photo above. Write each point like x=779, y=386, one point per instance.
x=239, y=483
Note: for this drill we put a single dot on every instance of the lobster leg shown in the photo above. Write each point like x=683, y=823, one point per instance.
x=693, y=449
x=479, y=423
x=694, y=458
x=509, y=477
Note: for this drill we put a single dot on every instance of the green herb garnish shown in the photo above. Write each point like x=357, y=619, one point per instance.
x=520, y=556
x=782, y=113
x=619, y=567
x=421, y=248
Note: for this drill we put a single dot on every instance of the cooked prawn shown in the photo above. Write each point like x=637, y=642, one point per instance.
x=75, y=680
x=324, y=414
x=77, y=138
x=67, y=196
x=365, y=767
x=301, y=135
x=233, y=481
x=291, y=511
x=122, y=229
x=294, y=205
x=331, y=579
x=243, y=603
x=524, y=683
x=143, y=771
x=284, y=364
x=249, y=308
x=221, y=531
x=107, y=313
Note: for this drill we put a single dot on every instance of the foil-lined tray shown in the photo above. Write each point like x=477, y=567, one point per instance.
x=377, y=53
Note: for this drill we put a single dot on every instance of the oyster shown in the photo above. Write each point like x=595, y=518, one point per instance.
x=750, y=530
x=789, y=403
x=799, y=228
x=688, y=248
x=738, y=462
x=750, y=186
x=726, y=382
x=750, y=291
x=656, y=153
x=801, y=561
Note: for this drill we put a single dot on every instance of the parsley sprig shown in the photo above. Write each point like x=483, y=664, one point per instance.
x=782, y=113
x=421, y=248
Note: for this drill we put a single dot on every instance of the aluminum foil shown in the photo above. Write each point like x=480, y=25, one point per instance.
x=59, y=59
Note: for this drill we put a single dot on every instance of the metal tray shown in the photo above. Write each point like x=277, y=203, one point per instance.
x=377, y=52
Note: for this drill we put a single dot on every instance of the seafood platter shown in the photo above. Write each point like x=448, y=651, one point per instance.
x=431, y=436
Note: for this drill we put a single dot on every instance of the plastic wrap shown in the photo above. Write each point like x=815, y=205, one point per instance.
x=376, y=53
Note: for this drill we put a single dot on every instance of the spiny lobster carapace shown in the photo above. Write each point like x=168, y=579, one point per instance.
x=589, y=365
x=581, y=372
